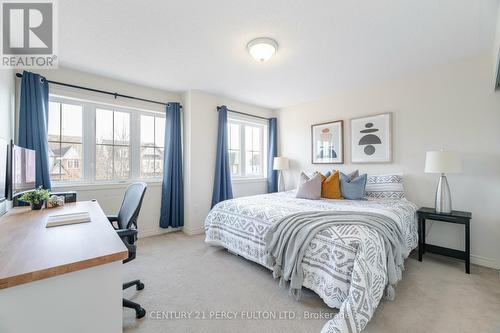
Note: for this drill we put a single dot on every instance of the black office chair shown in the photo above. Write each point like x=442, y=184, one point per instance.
x=125, y=224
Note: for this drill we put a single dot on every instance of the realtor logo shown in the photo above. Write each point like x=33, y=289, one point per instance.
x=28, y=32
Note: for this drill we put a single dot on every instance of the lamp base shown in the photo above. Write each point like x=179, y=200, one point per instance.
x=443, y=196
x=281, y=182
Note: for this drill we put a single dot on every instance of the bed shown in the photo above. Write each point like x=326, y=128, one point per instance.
x=344, y=264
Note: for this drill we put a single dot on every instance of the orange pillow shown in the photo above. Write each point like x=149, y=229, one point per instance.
x=330, y=186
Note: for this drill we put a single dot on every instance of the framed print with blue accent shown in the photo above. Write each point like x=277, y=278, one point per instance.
x=327, y=143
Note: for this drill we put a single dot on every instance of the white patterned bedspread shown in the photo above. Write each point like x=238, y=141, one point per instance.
x=345, y=264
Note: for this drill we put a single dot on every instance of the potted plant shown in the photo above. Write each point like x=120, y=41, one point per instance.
x=36, y=198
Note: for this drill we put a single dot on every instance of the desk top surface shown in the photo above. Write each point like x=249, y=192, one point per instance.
x=29, y=251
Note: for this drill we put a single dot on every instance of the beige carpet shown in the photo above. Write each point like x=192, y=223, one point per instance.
x=184, y=276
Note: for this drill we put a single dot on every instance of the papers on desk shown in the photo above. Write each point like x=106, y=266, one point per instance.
x=64, y=219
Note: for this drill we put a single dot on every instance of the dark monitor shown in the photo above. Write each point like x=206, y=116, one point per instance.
x=22, y=170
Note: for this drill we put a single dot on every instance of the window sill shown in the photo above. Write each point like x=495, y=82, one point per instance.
x=249, y=180
x=101, y=186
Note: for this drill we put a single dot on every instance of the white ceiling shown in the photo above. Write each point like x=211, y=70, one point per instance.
x=325, y=45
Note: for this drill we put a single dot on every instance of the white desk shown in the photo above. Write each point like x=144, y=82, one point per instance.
x=61, y=279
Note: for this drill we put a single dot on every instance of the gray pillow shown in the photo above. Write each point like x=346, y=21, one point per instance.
x=353, y=187
x=309, y=188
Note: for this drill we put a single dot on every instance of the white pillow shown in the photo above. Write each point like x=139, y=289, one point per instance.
x=309, y=187
x=385, y=187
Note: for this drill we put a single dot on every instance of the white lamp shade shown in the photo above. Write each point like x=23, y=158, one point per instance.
x=280, y=163
x=442, y=162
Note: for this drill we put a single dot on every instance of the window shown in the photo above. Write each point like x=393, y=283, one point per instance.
x=152, y=142
x=65, y=141
x=253, y=150
x=234, y=134
x=73, y=164
x=112, y=137
x=90, y=142
x=246, y=142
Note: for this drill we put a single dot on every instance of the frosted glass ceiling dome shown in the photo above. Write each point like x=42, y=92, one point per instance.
x=262, y=49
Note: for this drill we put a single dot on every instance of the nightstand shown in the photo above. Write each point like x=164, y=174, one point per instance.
x=456, y=217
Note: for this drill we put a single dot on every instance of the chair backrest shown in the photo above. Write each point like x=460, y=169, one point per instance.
x=131, y=205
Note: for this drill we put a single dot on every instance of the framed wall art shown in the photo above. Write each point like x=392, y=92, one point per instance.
x=327, y=143
x=371, y=139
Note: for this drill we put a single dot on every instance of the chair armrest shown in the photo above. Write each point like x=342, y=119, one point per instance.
x=122, y=233
x=112, y=218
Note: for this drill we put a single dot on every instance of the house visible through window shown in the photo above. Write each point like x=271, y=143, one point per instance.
x=234, y=149
x=253, y=150
x=90, y=142
x=65, y=141
x=112, y=153
x=246, y=147
x=152, y=142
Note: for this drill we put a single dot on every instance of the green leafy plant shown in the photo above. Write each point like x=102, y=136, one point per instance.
x=36, y=196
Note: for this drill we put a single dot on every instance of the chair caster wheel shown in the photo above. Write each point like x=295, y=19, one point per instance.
x=140, y=286
x=139, y=313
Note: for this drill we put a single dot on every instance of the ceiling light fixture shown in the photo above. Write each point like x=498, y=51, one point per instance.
x=262, y=49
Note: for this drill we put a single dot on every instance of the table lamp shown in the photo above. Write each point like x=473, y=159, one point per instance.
x=442, y=162
x=280, y=164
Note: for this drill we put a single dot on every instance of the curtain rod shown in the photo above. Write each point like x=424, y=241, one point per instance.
x=101, y=91
x=245, y=114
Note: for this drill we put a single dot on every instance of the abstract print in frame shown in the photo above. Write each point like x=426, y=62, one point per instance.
x=327, y=143
x=371, y=139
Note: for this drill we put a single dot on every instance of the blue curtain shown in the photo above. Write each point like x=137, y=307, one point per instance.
x=172, y=195
x=272, y=175
x=222, y=180
x=33, y=123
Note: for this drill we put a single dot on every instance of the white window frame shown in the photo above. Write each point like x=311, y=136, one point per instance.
x=155, y=146
x=245, y=121
x=132, y=136
x=88, y=162
x=74, y=103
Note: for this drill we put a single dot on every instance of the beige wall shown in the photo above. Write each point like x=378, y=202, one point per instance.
x=7, y=93
x=451, y=107
x=496, y=49
x=7, y=101
x=200, y=138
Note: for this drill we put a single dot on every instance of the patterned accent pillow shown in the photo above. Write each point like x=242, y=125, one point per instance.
x=385, y=187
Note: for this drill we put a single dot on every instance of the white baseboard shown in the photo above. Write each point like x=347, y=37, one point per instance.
x=195, y=231
x=3, y=207
x=155, y=232
x=482, y=261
